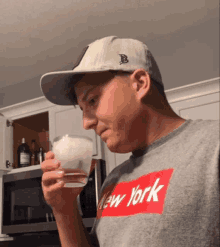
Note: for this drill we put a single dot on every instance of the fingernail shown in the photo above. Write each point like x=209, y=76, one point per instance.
x=60, y=172
x=55, y=162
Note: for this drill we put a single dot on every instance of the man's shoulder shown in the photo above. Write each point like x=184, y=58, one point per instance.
x=202, y=135
x=204, y=128
x=203, y=123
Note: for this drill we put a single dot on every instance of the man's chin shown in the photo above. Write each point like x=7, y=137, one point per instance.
x=115, y=147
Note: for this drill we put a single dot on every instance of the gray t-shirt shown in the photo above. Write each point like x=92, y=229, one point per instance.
x=169, y=196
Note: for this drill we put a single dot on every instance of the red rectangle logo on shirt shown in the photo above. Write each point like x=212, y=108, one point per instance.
x=143, y=195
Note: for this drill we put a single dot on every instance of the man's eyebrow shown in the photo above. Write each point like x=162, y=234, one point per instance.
x=85, y=97
x=86, y=94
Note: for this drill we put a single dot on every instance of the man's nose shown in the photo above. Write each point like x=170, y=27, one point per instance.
x=89, y=122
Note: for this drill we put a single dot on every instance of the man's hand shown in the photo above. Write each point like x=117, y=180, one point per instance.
x=55, y=194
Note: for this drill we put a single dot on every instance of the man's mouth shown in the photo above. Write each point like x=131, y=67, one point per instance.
x=99, y=133
x=104, y=135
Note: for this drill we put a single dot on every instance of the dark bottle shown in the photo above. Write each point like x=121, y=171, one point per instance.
x=33, y=153
x=23, y=154
x=40, y=156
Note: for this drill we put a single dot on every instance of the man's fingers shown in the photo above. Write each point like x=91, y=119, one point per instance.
x=50, y=165
x=54, y=187
x=50, y=155
x=76, y=179
x=51, y=177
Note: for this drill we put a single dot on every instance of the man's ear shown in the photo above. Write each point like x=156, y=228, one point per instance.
x=141, y=83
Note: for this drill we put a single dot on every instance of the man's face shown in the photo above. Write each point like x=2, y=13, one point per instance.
x=111, y=109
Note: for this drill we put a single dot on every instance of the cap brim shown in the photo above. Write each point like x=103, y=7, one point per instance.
x=55, y=86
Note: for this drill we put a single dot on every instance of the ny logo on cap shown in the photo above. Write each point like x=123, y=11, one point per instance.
x=124, y=58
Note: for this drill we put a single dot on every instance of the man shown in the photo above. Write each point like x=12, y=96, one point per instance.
x=167, y=193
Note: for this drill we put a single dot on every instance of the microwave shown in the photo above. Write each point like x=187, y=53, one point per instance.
x=26, y=212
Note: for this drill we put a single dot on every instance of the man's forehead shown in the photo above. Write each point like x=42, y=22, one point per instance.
x=87, y=82
x=81, y=88
x=92, y=80
x=96, y=78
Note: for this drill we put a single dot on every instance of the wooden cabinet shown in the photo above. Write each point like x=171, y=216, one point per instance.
x=6, y=146
x=29, y=120
x=201, y=107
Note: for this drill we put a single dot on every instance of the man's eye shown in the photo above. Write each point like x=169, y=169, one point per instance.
x=92, y=101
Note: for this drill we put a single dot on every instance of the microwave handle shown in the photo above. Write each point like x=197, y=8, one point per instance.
x=47, y=217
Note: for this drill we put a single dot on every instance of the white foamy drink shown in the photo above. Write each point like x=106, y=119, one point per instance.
x=74, y=152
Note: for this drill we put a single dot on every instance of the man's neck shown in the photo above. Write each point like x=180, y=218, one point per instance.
x=164, y=127
x=158, y=128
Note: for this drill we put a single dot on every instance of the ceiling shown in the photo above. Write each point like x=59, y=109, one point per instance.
x=48, y=35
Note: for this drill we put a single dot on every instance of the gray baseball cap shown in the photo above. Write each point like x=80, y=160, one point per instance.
x=106, y=54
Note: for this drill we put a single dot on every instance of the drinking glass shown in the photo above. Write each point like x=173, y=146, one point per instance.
x=75, y=154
